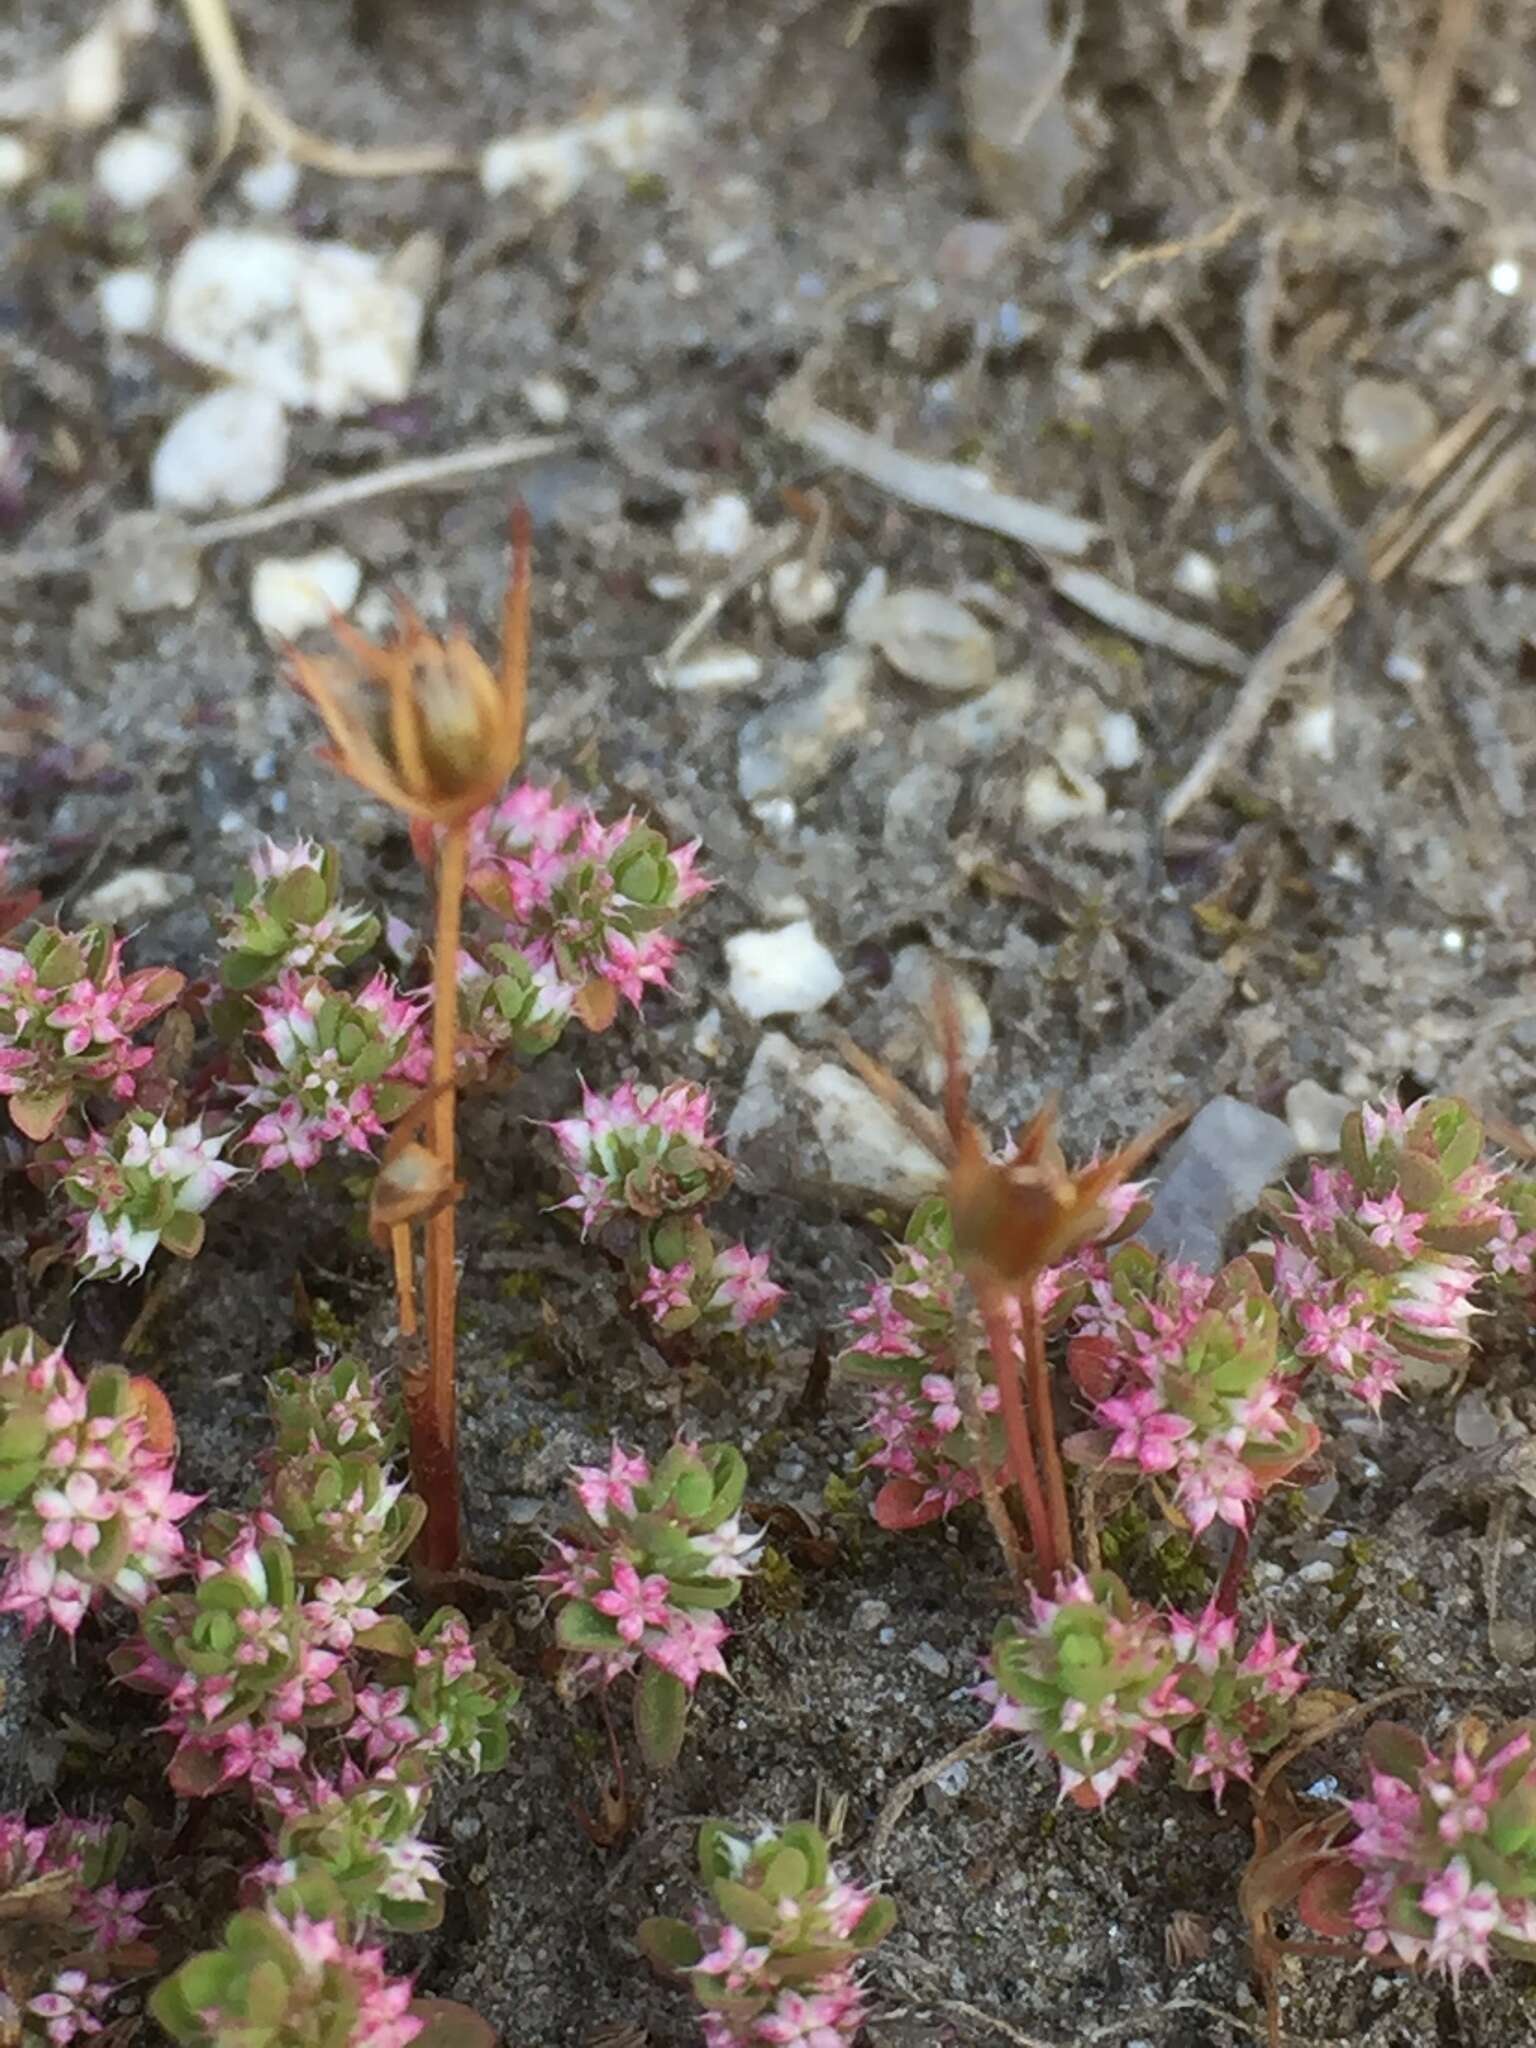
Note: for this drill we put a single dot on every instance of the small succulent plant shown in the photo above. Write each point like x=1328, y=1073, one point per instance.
x=1099, y=1679
x=72, y=1927
x=1186, y=1377
x=689, y=1281
x=143, y=1184
x=343, y=1067
x=776, y=1962
x=69, y=1020
x=286, y=1982
x=641, y=1151
x=590, y=900
x=88, y=1500
x=659, y=1554
x=1440, y=1866
x=287, y=916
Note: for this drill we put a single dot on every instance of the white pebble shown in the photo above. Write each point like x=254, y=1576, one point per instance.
x=227, y=449
x=1318, y=1573
x=1119, y=740
x=548, y=400
x=1056, y=795
x=669, y=588
x=930, y=638
x=17, y=163
x=800, y=598
x=1316, y=1116
x=720, y=526
x=1505, y=278
x=781, y=973
x=1313, y=730
x=317, y=325
x=551, y=167
x=292, y=595
x=1453, y=941
x=135, y=893
x=1196, y=575
x=715, y=668
x=129, y=300
x=707, y=1040
x=270, y=185
x=135, y=167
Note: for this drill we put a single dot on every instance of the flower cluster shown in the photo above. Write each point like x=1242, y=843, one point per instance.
x=287, y=1979
x=65, y=1975
x=1098, y=1679
x=1441, y=1867
x=1373, y=1261
x=640, y=1151
x=909, y=1330
x=659, y=1554
x=88, y=1502
x=68, y=1022
x=590, y=900
x=507, y=1006
x=288, y=917
x=343, y=1067
x=259, y=1663
x=693, y=1283
x=1184, y=1374
x=143, y=1184
x=777, y=1962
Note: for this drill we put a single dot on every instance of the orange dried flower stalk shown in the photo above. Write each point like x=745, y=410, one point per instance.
x=428, y=727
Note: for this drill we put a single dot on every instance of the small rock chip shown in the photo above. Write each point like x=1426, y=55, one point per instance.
x=914, y=972
x=1055, y=794
x=788, y=749
x=227, y=449
x=1385, y=424
x=1196, y=575
x=716, y=669
x=17, y=163
x=1316, y=1116
x=1477, y=1427
x=868, y=1149
x=931, y=1660
x=269, y=185
x=294, y=594
x=146, y=564
x=1213, y=1175
x=801, y=595
x=783, y=973
x=869, y=1614
x=135, y=893
x=930, y=638
x=135, y=167
x=129, y=300
x=548, y=400
x=552, y=164
x=719, y=527
x=317, y=325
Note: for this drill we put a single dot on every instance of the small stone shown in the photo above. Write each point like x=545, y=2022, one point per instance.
x=1313, y=730
x=719, y=527
x=1316, y=1116
x=129, y=300
x=708, y=1040
x=227, y=449
x=800, y=596
x=1196, y=575
x=550, y=167
x=715, y=669
x=1385, y=424
x=1319, y=1573
x=868, y=1149
x=1477, y=1427
x=869, y=1614
x=930, y=638
x=1055, y=795
x=931, y=1659
x=294, y=594
x=548, y=400
x=135, y=167
x=1505, y=277
x=1119, y=741
x=17, y=163
x=914, y=972
x=146, y=563
x=787, y=749
x=918, y=810
x=781, y=973
x=1214, y=1174
x=134, y=894
x=316, y=325
x=270, y=185
x=1512, y=1641
x=466, y=1827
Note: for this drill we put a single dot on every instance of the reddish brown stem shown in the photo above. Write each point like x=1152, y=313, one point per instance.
x=434, y=1415
x=1043, y=1412
x=1234, y=1572
x=1021, y=1451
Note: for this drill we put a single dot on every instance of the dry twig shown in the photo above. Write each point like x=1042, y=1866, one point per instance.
x=904, y=1794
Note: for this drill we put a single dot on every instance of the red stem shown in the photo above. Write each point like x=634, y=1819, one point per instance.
x=1021, y=1450
x=1044, y=1412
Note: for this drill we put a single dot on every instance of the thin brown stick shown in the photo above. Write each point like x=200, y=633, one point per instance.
x=405, y=1277
x=1021, y=1450
x=514, y=619
x=1430, y=108
x=968, y=1389
x=440, y=1534
x=908, y=1789
x=1038, y=1393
